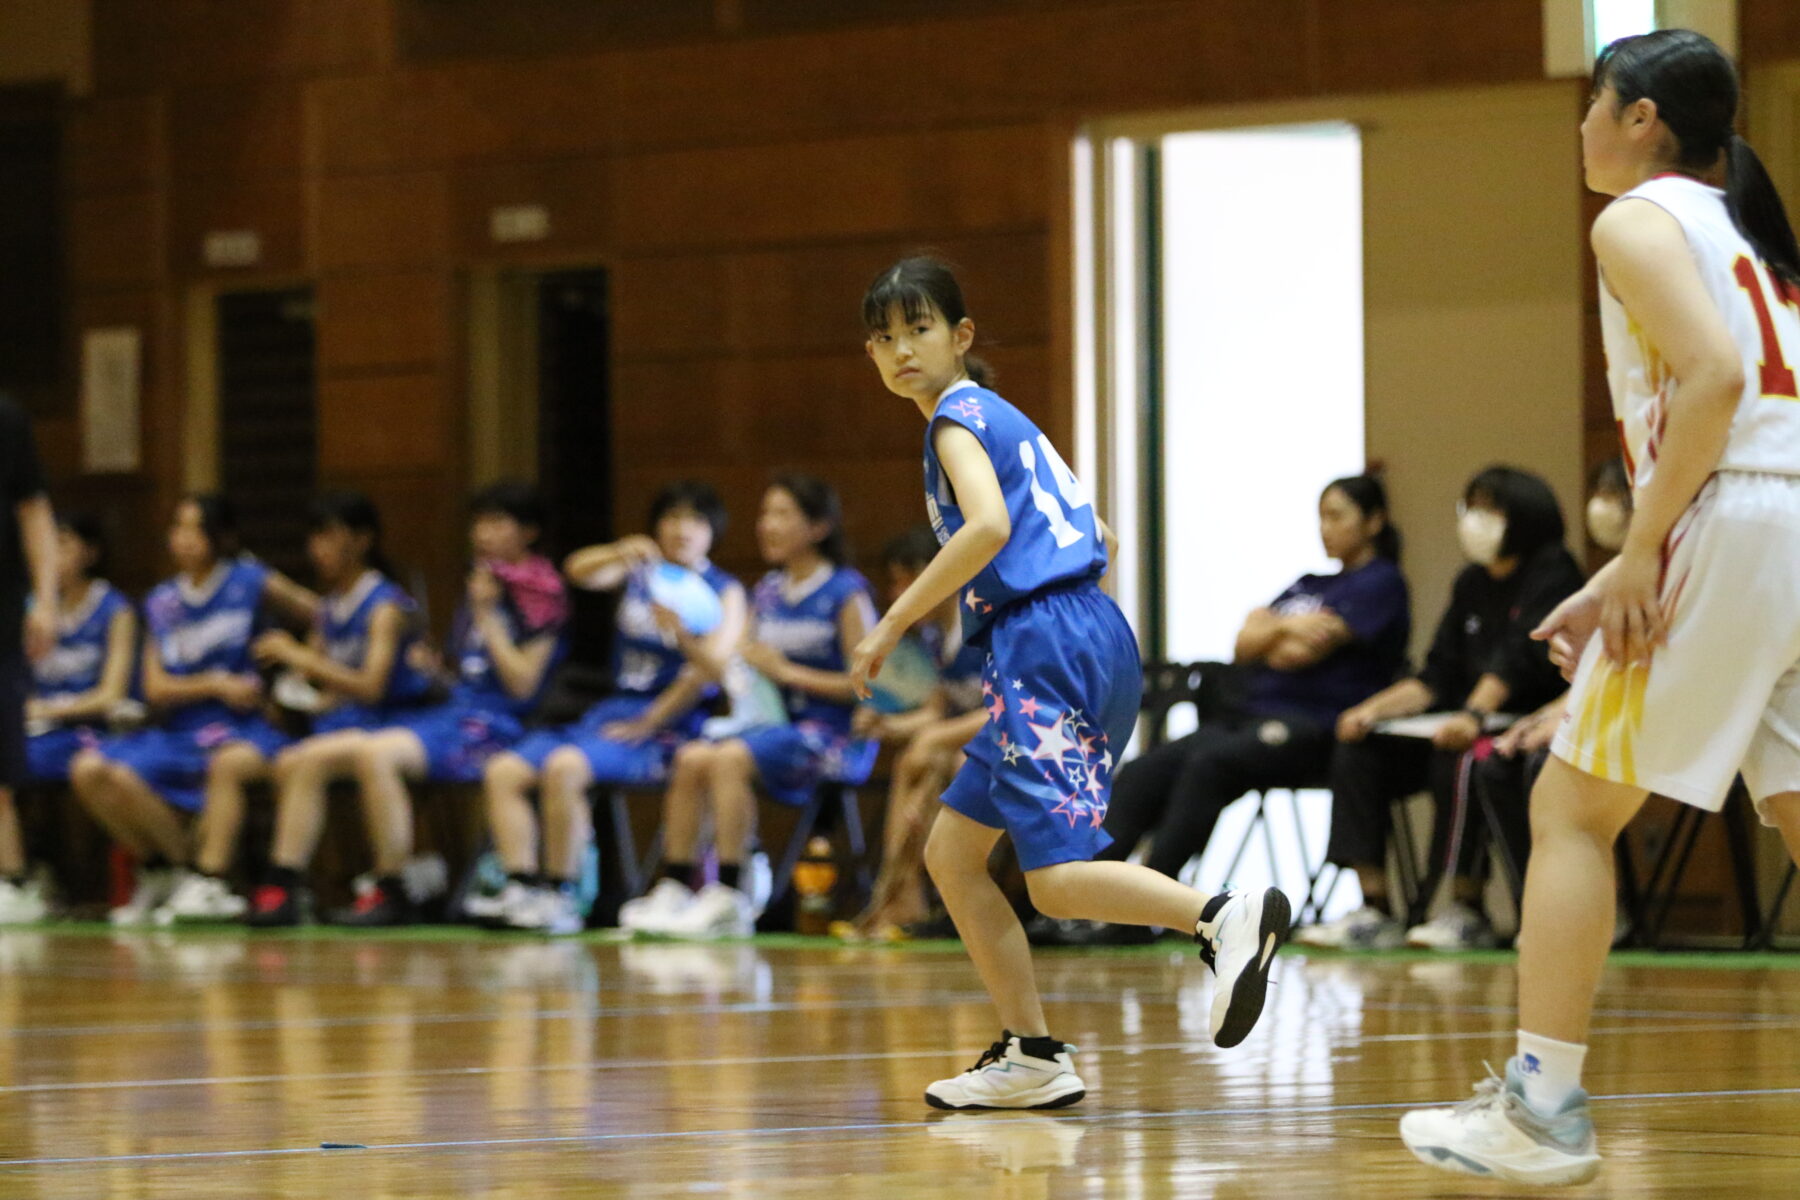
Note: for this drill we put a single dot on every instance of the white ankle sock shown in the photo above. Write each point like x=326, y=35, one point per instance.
x=1551, y=1071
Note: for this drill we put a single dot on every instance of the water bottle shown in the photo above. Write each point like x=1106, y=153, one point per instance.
x=815, y=879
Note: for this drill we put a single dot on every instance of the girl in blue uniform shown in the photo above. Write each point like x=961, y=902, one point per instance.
x=357, y=657
x=73, y=689
x=807, y=613
x=662, y=670
x=1024, y=552
x=210, y=737
x=507, y=639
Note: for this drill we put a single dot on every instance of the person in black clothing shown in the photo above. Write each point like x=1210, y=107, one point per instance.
x=1324, y=644
x=1481, y=662
x=27, y=567
x=1505, y=777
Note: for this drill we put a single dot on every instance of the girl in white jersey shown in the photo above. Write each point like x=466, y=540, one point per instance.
x=1693, y=674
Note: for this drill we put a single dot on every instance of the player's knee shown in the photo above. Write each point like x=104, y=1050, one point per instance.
x=566, y=769
x=731, y=761
x=1051, y=894
x=950, y=859
x=507, y=771
x=236, y=763
x=87, y=771
x=692, y=758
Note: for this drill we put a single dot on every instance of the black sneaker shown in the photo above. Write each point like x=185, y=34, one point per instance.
x=383, y=904
x=274, y=905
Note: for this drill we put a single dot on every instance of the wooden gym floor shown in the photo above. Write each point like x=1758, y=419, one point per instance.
x=216, y=1064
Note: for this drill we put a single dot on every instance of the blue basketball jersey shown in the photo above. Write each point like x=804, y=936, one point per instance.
x=645, y=661
x=207, y=628
x=1055, y=535
x=344, y=630
x=79, y=659
x=478, y=684
x=801, y=621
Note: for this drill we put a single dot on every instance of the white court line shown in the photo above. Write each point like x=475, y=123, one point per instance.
x=1285, y=1110
x=663, y=1064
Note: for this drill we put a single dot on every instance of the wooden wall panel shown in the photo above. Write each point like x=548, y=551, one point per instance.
x=1427, y=43
x=387, y=320
x=113, y=241
x=382, y=221
x=237, y=129
x=273, y=208
x=111, y=143
x=430, y=30
x=385, y=422
x=489, y=110
x=575, y=192
x=812, y=192
x=1770, y=30
x=146, y=44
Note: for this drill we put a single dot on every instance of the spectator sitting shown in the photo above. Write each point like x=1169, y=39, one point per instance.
x=76, y=687
x=507, y=639
x=662, y=671
x=1519, y=754
x=931, y=738
x=1481, y=662
x=210, y=737
x=1326, y=643
x=808, y=614
x=358, y=658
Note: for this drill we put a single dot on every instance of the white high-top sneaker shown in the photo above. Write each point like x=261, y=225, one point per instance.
x=717, y=912
x=1239, y=933
x=1365, y=929
x=22, y=904
x=1012, y=1075
x=1497, y=1134
x=653, y=912
x=495, y=910
x=153, y=888
x=1456, y=927
x=200, y=898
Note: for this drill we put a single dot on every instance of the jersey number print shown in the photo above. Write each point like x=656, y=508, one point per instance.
x=1777, y=376
x=1070, y=488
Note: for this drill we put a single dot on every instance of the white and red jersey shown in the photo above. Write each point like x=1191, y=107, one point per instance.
x=1763, y=314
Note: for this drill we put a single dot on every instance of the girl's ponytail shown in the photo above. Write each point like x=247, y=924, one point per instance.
x=1756, y=209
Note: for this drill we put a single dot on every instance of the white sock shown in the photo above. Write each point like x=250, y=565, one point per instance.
x=1551, y=1071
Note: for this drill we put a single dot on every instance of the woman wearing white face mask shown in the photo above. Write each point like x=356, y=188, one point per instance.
x=1506, y=776
x=1482, y=661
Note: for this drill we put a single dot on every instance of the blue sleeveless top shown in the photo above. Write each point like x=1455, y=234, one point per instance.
x=1055, y=536
x=344, y=630
x=207, y=628
x=478, y=683
x=802, y=622
x=644, y=661
x=79, y=659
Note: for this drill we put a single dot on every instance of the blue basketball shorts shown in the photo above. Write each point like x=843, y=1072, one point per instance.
x=48, y=754
x=1062, y=688
x=173, y=761
x=617, y=763
x=459, y=739
x=793, y=760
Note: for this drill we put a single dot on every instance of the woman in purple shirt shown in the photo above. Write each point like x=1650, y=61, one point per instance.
x=1324, y=644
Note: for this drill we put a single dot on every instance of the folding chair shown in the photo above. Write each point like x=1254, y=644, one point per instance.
x=1651, y=914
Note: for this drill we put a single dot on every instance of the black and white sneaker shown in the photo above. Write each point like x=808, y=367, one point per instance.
x=1014, y=1072
x=1239, y=933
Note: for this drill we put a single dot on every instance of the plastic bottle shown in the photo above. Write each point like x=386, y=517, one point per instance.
x=815, y=879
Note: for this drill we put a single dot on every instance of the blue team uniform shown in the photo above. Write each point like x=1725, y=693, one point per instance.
x=344, y=632
x=481, y=718
x=194, y=630
x=801, y=621
x=74, y=667
x=645, y=663
x=1063, y=682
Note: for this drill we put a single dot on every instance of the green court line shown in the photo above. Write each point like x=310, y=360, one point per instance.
x=1695, y=959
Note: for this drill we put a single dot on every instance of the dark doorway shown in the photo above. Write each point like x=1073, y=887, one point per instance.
x=575, y=434
x=31, y=285
x=268, y=417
